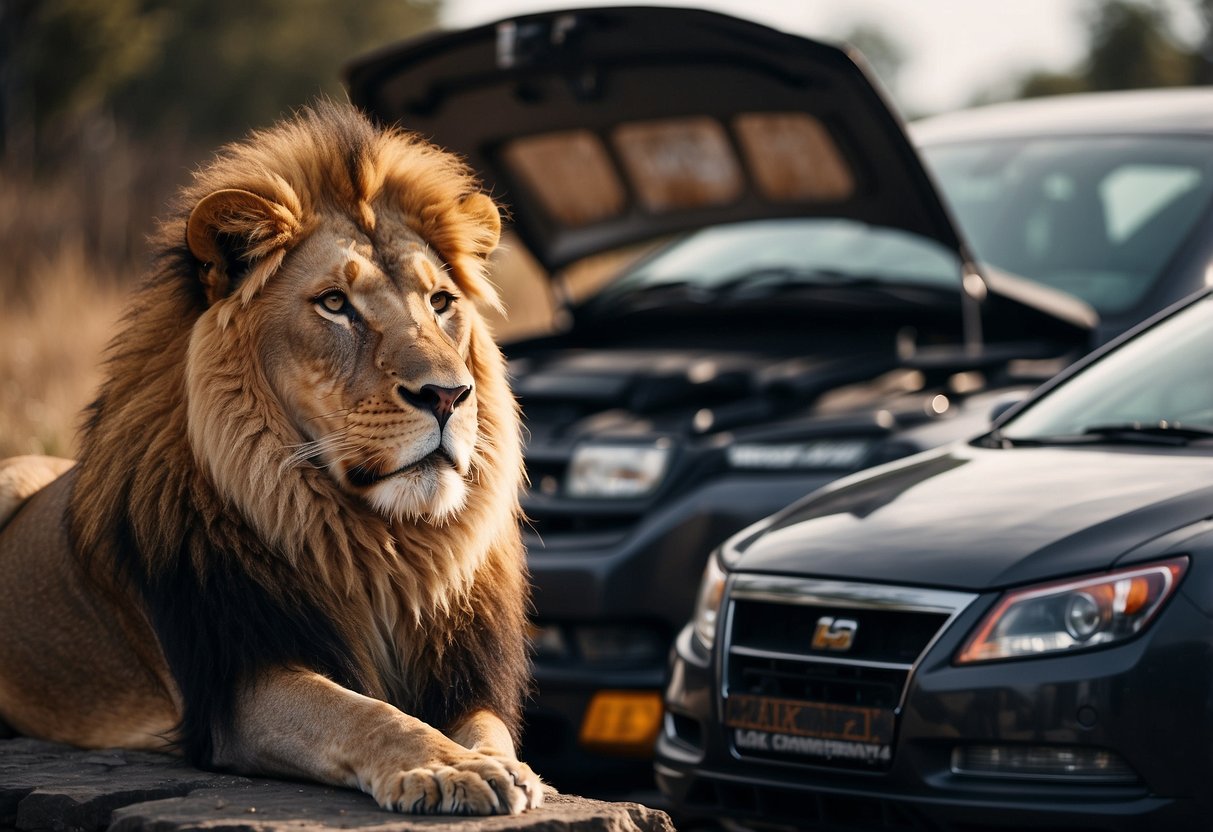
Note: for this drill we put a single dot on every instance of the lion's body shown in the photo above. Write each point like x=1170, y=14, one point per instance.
x=291, y=544
x=81, y=678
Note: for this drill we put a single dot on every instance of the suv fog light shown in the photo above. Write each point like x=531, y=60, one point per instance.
x=623, y=722
x=685, y=730
x=1031, y=762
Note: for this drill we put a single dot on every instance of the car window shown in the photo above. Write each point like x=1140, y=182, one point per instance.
x=1098, y=217
x=1162, y=377
x=1133, y=195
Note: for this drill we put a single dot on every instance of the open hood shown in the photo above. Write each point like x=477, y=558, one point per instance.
x=602, y=127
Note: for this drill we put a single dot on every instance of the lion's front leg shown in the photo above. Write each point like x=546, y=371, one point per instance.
x=483, y=731
x=301, y=724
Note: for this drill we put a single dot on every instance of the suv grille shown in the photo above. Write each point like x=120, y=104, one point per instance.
x=815, y=671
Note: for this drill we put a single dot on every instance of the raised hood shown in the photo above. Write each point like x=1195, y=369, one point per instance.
x=980, y=519
x=602, y=127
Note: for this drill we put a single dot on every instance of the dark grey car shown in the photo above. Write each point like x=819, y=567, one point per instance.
x=1106, y=196
x=1008, y=633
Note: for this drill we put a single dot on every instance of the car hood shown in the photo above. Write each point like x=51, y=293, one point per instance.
x=978, y=519
x=601, y=127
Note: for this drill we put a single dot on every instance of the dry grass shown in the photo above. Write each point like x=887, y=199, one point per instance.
x=69, y=239
x=50, y=346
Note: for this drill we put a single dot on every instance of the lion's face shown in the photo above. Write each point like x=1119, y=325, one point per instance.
x=366, y=347
x=340, y=266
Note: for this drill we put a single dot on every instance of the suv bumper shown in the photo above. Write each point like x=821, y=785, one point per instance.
x=635, y=593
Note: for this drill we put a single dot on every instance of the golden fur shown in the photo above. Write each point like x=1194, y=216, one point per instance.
x=295, y=509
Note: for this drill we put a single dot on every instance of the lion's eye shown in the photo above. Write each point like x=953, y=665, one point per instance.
x=441, y=301
x=335, y=302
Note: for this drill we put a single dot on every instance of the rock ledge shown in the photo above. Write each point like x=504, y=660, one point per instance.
x=45, y=786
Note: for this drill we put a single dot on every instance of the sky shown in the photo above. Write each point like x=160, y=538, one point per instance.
x=955, y=48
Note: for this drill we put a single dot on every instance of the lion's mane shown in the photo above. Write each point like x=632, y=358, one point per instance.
x=243, y=558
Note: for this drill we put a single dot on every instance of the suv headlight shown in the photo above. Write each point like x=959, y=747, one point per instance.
x=617, y=471
x=707, y=605
x=1073, y=615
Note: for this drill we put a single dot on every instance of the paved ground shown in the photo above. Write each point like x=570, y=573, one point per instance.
x=44, y=786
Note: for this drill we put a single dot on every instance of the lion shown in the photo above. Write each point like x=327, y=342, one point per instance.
x=291, y=544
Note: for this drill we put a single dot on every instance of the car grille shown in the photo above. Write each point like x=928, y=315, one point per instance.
x=815, y=671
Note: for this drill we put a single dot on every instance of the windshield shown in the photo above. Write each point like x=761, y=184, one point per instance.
x=1160, y=381
x=1098, y=217
x=792, y=251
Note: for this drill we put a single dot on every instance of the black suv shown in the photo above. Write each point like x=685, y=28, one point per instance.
x=809, y=309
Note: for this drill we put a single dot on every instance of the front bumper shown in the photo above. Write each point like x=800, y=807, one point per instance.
x=643, y=581
x=1147, y=701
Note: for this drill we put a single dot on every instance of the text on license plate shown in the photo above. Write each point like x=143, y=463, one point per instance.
x=816, y=729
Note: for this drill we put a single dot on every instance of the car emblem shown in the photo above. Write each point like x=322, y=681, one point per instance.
x=834, y=633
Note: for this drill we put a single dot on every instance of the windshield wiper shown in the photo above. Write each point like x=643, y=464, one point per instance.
x=1162, y=432
x=1127, y=431
x=659, y=293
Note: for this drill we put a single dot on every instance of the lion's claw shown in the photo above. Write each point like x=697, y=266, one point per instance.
x=482, y=785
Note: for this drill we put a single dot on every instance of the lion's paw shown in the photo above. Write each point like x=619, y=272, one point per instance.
x=521, y=790
x=482, y=786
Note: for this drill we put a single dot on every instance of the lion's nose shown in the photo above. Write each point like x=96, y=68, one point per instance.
x=442, y=401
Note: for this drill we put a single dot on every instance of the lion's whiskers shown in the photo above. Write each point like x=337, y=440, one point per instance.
x=336, y=446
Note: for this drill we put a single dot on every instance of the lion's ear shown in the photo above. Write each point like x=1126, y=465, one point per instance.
x=231, y=228
x=481, y=210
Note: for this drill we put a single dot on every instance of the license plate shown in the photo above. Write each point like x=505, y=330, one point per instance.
x=791, y=727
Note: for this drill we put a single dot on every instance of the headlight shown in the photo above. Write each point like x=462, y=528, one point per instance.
x=617, y=471
x=1073, y=615
x=819, y=453
x=707, y=606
